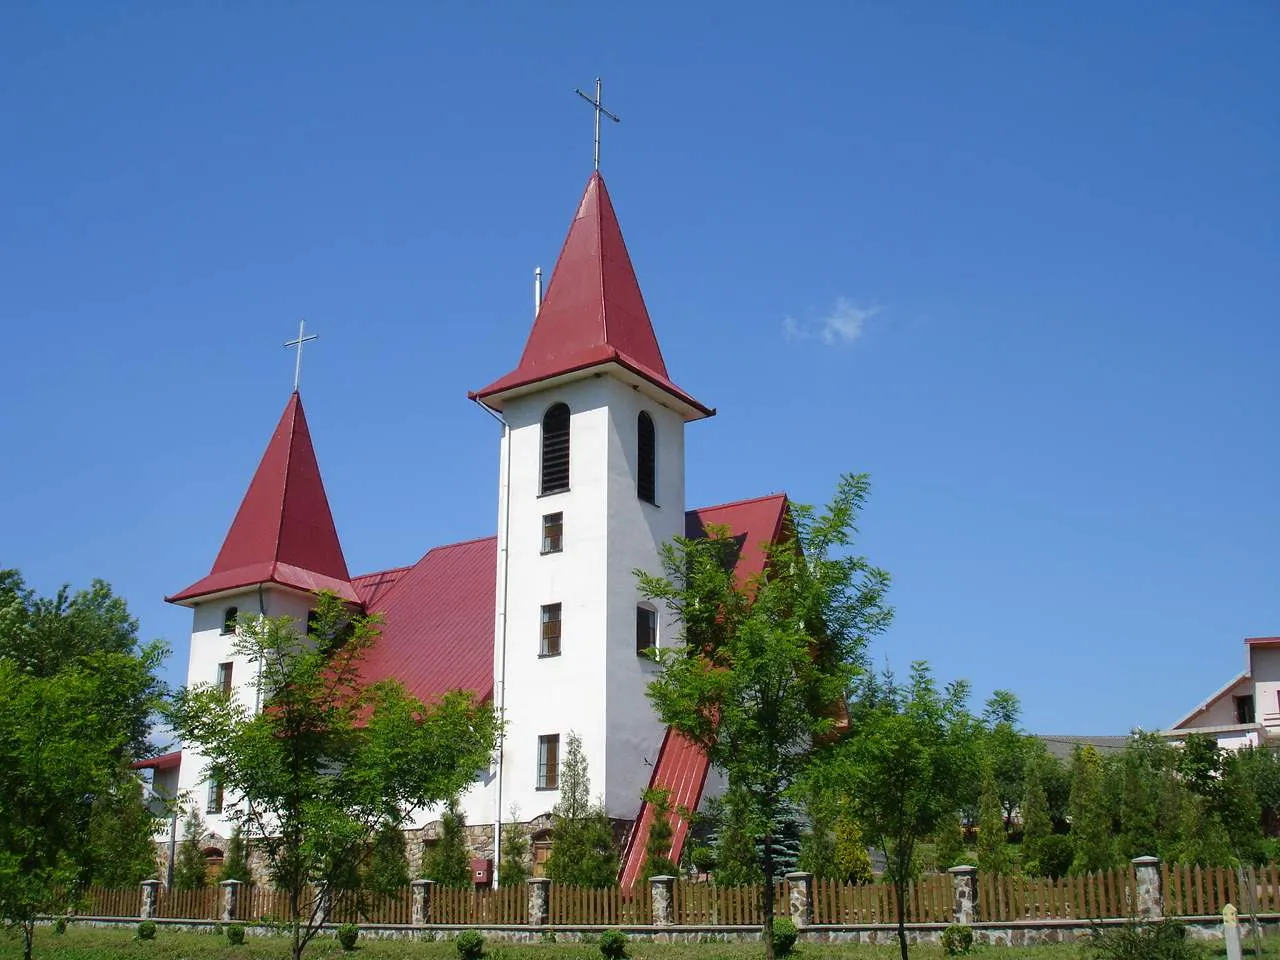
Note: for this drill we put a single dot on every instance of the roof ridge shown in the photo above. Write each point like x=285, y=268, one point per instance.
x=295, y=404
x=739, y=503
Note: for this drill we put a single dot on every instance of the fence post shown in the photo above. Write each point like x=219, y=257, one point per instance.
x=964, y=884
x=150, y=888
x=539, y=901
x=230, y=899
x=420, y=901
x=801, y=886
x=661, y=892
x=1148, y=902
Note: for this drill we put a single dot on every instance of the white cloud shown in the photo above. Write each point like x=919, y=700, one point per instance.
x=841, y=325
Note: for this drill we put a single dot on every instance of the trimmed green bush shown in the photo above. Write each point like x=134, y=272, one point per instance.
x=469, y=944
x=613, y=945
x=147, y=930
x=348, y=934
x=957, y=940
x=235, y=934
x=784, y=936
x=60, y=926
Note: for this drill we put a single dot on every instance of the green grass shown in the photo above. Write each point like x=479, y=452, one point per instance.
x=110, y=943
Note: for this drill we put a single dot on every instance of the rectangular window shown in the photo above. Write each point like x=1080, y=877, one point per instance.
x=549, y=761
x=550, y=646
x=553, y=533
x=1244, y=709
x=646, y=630
x=224, y=678
x=215, y=797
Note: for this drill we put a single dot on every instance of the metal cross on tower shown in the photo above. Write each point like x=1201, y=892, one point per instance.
x=297, y=367
x=599, y=107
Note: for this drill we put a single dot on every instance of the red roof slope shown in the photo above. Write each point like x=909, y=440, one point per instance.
x=283, y=532
x=682, y=767
x=437, y=631
x=594, y=312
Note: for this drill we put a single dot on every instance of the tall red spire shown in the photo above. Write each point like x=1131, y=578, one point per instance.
x=593, y=313
x=283, y=532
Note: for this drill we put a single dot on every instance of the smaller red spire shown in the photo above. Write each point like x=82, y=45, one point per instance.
x=594, y=312
x=283, y=532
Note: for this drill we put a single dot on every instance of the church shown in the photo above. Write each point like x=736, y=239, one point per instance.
x=544, y=619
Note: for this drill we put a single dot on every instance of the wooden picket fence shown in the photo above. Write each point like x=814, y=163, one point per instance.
x=205, y=904
x=113, y=903
x=1201, y=891
x=611, y=906
x=506, y=905
x=702, y=904
x=928, y=900
x=1093, y=896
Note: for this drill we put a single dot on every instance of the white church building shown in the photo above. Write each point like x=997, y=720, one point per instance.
x=544, y=619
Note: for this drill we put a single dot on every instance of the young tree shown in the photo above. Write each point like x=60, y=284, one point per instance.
x=235, y=863
x=657, y=847
x=1005, y=748
x=583, y=853
x=190, y=868
x=328, y=762
x=122, y=847
x=991, y=836
x=448, y=862
x=949, y=843
x=737, y=861
x=1036, y=825
x=1091, y=836
x=77, y=691
x=515, y=852
x=852, y=860
x=818, y=839
x=904, y=766
x=765, y=664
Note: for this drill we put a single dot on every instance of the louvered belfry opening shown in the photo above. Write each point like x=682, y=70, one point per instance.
x=647, y=460
x=555, y=449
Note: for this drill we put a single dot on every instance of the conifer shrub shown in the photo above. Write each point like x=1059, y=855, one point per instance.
x=60, y=926
x=784, y=936
x=235, y=934
x=613, y=945
x=1165, y=940
x=348, y=934
x=469, y=944
x=147, y=930
x=957, y=940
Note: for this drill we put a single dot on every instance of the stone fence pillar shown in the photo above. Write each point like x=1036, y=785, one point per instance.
x=964, y=884
x=230, y=899
x=1148, y=902
x=662, y=892
x=800, y=884
x=420, y=901
x=539, y=901
x=150, y=894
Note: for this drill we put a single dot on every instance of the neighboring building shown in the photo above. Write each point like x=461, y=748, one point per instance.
x=544, y=619
x=1245, y=712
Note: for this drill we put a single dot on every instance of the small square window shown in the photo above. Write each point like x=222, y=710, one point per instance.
x=215, y=797
x=553, y=533
x=549, y=761
x=550, y=645
x=224, y=678
x=646, y=630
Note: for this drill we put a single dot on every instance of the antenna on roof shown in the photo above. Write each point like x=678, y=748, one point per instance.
x=537, y=291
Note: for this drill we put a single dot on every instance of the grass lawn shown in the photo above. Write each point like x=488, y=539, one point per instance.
x=95, y=943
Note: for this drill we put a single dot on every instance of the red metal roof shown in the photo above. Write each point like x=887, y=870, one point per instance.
x=283, y=532
x=682, y=767
x=166, y=761
x=372, y=587
x=594, y=312
x=437, y=630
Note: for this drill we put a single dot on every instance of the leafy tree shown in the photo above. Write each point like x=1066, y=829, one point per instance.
x=583, y=853
x=818, y=841
x=77, y=690
x=235, y=863
x=737, y=861
x=448, y=862
x=657, y=847
x=122, y=848
x=387, y=871
x=1262, y=767
x=515, y=852
x=1036, y=825
x=992, y=857
x=1240, y=811
x=1005, y=748
x=852, y=860
x=765, y=664
x=190, y=868
x=902, y=769
x=1090, y=816
x=949, y=850
x=328, y=762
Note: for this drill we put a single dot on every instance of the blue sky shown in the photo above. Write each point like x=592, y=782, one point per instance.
x=1018, y=261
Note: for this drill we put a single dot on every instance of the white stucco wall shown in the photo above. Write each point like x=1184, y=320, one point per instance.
x=1264, y=665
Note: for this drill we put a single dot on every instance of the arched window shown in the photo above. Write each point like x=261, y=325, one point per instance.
x=555, y=450
x=646, y=459
x=229, y=619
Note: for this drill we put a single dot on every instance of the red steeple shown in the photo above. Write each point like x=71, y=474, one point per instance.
x=283, y=532
x=593, y=313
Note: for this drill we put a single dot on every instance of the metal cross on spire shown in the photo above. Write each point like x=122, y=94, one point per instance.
x=599, y=107
x=297, y=367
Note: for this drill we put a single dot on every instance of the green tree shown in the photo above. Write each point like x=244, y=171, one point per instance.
x=818, y=840
x=448, y=861
x=657, y=847
x=737, y=861
x=583, y=853
x=122, y=847
x=190, y=868
x=515, y=852
x=992, y=856
x=765, y=664
x=904, y=766
x=1036, y=825
x=387, y=872
x=328, y=762
x=235, y=862
x=1005, y=748
x=1091, y=837
x=852, y=859
x=77, y=691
